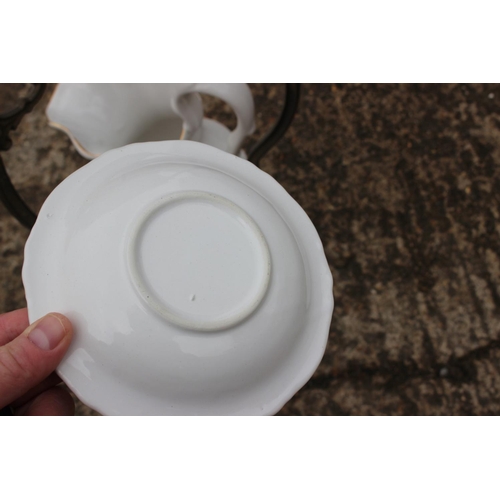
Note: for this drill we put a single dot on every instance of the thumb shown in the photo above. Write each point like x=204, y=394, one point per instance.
x=33, y=356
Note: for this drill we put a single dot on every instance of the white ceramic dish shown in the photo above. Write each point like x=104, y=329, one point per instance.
x=98, y=117
x=195, y=283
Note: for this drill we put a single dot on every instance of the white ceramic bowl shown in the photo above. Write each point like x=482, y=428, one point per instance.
x=195, y=283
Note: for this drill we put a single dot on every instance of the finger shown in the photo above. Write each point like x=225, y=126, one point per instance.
x=33, y=356
x=52, y=380
x=12, y=324
x=54, y=402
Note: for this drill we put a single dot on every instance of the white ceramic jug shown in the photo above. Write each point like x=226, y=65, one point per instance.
x=103, y=116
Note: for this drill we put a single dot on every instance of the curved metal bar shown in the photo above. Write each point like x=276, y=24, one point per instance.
x=8, y=194
x=281, y=126
x=13, y=202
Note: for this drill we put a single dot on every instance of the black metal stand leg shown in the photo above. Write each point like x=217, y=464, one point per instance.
x=278, y=131
x=8, y=194
x=12, y=201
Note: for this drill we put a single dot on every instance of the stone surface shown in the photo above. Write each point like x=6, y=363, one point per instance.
x=403, y=184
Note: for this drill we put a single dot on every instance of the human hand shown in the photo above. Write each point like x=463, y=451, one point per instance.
x=29, y=354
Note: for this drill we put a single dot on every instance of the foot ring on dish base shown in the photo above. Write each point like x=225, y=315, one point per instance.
x=198, y=260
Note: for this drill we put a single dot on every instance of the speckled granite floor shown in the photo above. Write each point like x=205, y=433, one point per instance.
x=403, y=184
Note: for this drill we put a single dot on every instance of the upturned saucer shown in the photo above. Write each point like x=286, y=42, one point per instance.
x=195, y=283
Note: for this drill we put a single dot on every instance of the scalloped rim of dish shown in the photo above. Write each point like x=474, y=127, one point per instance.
x=312, y=245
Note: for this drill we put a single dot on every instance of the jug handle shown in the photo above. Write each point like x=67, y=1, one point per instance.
x=292, y=94
x=237, y=95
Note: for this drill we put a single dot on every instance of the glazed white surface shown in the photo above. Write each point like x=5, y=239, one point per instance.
x=211, y=273
x=248, y=292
